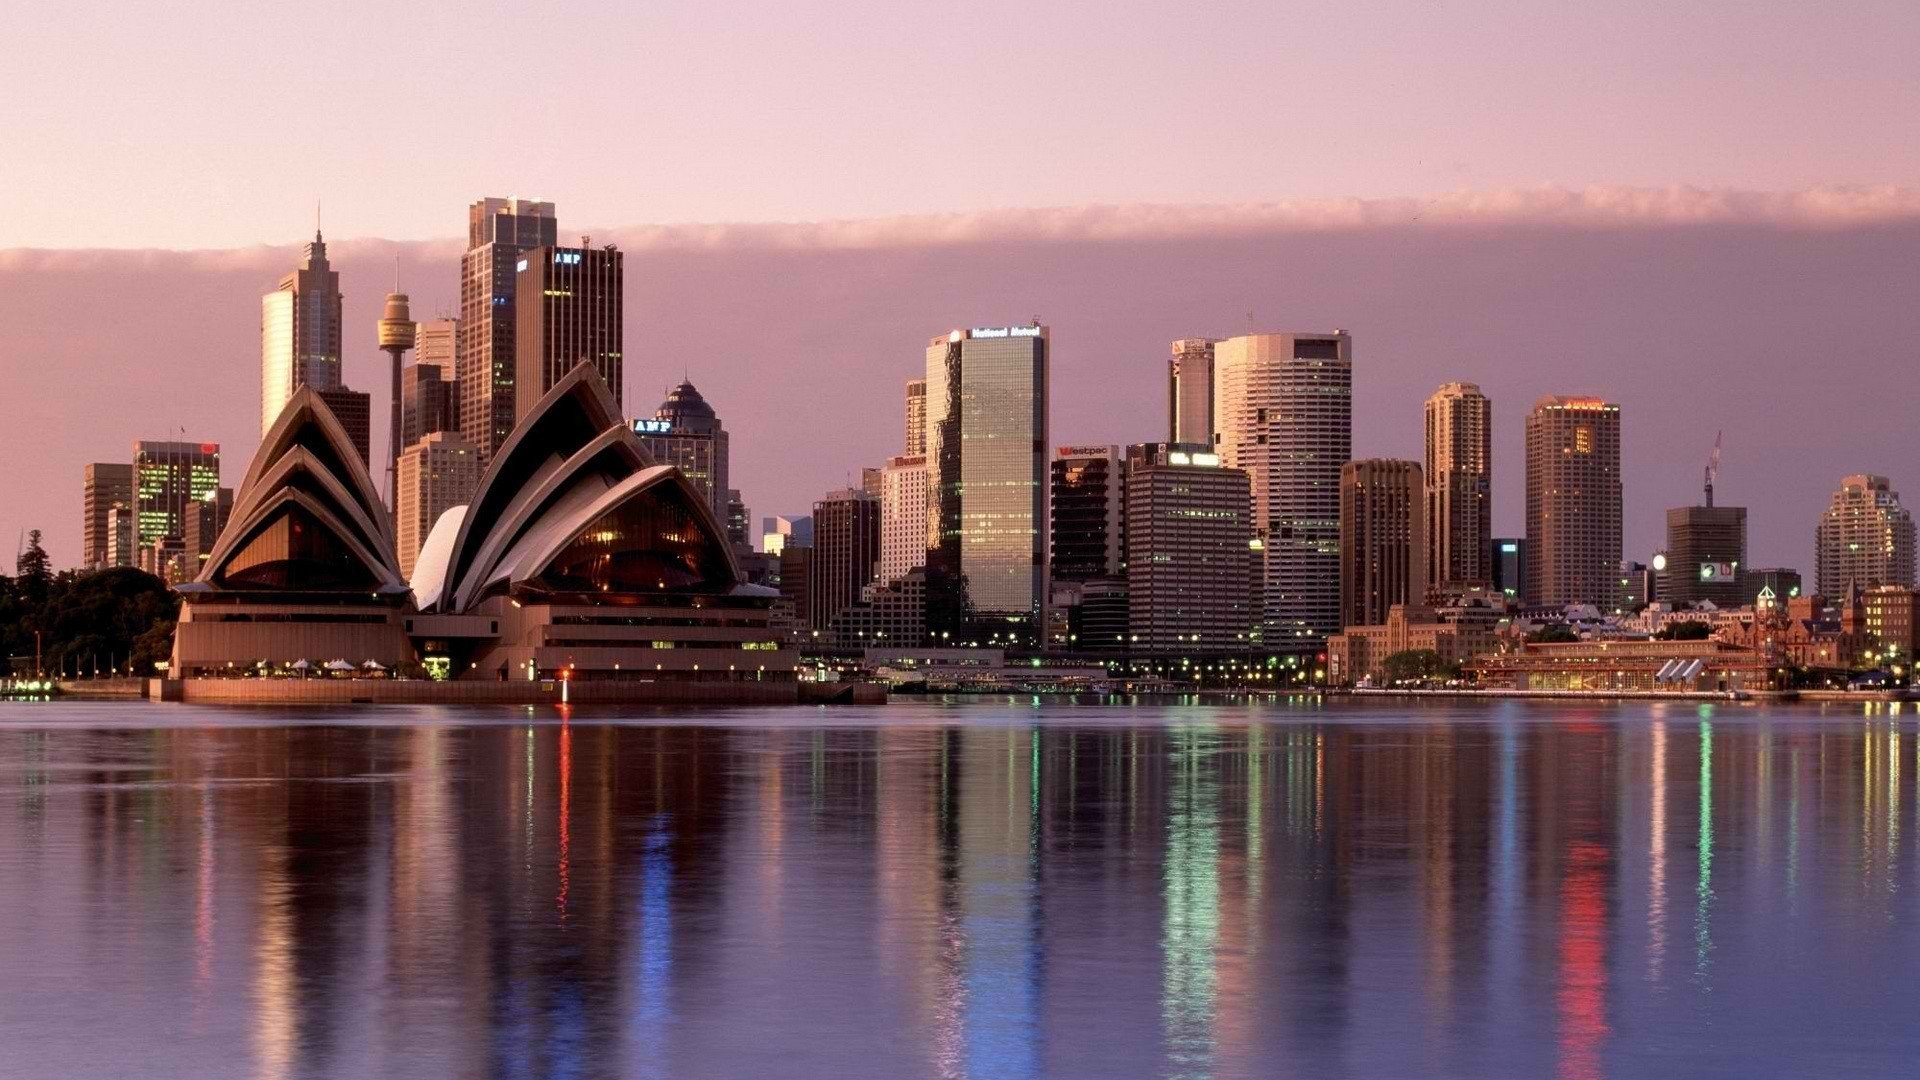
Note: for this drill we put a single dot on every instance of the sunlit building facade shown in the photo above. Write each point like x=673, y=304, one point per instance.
x=1283, y=411
x=1190, y=392
x=1865, y=538
x=1459, y=488
x=300, y=333
x=1573, y=502
x=437, y=473
x=903, y=516
x=987, y=472
x=498, y=232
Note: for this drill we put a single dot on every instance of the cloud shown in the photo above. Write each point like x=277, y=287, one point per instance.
x=1586, y=209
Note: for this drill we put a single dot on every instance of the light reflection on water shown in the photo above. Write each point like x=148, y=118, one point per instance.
x=977, y=890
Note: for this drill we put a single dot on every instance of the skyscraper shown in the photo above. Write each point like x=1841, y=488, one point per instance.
x=737, y=522
x=1573, y=502
x=1706, y=554
x=1190, y=392
x=1382, y=552
x=987, y=473
x=435, y=343
x=354, y=410
x=498, y=231
x=426, y=402
x=206, y=518
x=686, y=433
x=845, y=554
x=1089, y=484
x=168, y=477
x=300, y=339
x=1283, y=408
x=1459, y=490
x=903, y=516
x=103, y=484
x=1189, y=571
x=916, y=417
x=1864, y=538
x=567, y=312
x=437, y=473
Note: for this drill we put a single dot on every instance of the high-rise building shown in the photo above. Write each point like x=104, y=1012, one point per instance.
x=121, y=533
x=903, y=516
x=426, y=402
x=1459, y=493
x=686, y=433
x=435, y=344
x=1382, y=550
x=300, y=339
x=1573, y=502
x=1865, y=538
x=205, y=521
x=779, y=533
x=1190, y=392
x=104, y=484
x=1190, y=579
x=168, y=478
x=738, y=522
x=498, y=232
x=987, y=474
x=437, y=473
x=1706, y=554
x=1509, y=564
x=1089, y=485
x=845, y=554
x=567, y=312
x=354, y=410
x=1283, y=408
x=916, y=418
x=1781, y=581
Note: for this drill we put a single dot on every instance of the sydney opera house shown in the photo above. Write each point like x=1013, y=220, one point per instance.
x=580, y=567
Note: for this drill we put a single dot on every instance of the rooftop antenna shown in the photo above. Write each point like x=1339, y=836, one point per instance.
x=1713, y=467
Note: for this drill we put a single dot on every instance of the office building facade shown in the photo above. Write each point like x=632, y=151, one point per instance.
x=168, y=478
x=426, y=402
x=1865, y=538
x=567, y=312
x=498, y=232
x=845, y=554
x=1573, y=502
x=354, y=410
x=1705, y=556
x=987, y=444
x=1189, y=573
x=1190, y=392
x=916, y=443
x=903, y=516
x=1283, y=410
x=300, y=333
x=1509, y=564
x=1088, y=527
x=438, y=472
x=1459, y=488
x=1383, y=551
x=686, y=433
x=103, y=484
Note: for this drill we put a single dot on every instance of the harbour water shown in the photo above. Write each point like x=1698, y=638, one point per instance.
x=987, y=889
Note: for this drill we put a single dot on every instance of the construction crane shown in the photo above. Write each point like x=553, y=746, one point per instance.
x=1713, y=466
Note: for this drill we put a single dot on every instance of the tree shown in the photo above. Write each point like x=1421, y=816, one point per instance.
x=32, y=575
x=87, y=621
x=1412, y=665
x=1553, y=633
x=1685, y=630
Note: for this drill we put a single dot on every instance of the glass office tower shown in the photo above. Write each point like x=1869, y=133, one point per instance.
x=986, y=429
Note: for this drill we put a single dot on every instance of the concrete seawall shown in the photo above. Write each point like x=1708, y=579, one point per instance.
x=423, y=692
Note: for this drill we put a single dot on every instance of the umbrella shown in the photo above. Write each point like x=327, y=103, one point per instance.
x=373, y=665
x=301, y=665
x=339, y=665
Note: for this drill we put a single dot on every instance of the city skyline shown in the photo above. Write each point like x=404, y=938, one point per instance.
x=1386, y=420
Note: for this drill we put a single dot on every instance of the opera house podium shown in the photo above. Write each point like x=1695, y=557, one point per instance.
x=579, y=567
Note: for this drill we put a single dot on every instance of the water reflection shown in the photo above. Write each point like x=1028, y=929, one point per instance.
x=962, y=892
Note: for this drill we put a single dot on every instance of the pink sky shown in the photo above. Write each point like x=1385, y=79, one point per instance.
x=131, y=123
x=1787, y=320
x=1706, y=210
